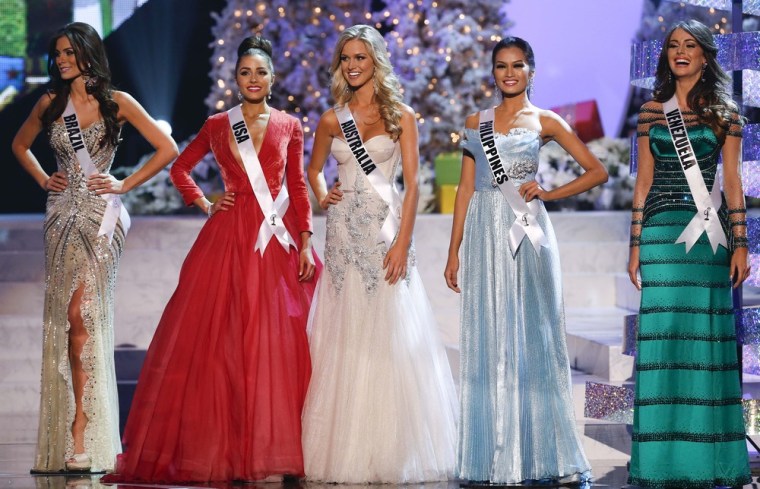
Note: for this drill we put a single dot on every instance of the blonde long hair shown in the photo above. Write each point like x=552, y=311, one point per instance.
x=387, y=86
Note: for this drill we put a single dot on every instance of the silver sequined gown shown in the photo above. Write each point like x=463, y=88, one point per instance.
x=517, y=414
x=74, y=256
x=381, y=405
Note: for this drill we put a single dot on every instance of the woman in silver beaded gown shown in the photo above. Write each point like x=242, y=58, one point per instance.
x=84, y=230
x=517, y=421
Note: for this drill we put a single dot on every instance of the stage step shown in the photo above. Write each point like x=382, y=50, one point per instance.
x=594, y=339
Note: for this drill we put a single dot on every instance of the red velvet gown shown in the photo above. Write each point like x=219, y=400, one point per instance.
x=224, y=380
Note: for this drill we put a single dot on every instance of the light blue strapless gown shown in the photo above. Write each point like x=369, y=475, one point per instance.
x=517, y=419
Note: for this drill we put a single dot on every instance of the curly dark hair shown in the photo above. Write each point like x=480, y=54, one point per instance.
x=92, y=62
x=710, y=98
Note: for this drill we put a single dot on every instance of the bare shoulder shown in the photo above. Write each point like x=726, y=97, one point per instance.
x=127, y=104
x=551, y=123
x=329, y=122
x=122, y=98
x=471, y=122
x=408, y=116
x=45, y=100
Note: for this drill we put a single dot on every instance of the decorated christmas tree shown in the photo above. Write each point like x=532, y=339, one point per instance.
x=442, y=53
x=302, y=40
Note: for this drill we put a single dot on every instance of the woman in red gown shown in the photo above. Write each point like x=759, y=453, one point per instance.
x=224, y=380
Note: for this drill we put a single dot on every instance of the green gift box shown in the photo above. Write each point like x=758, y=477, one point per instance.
x=448, y=168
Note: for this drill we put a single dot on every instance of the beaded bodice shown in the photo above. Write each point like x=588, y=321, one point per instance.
x=519, y=149
x=353, y=224
x=670, y=190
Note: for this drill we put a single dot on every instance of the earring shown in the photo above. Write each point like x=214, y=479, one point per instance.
x=670, y=76
x=240, y=96
x=530, y=87
x=90, y=83
x=704, y=68
x=269, y=95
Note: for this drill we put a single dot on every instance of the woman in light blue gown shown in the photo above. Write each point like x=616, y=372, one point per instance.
x=517, y=422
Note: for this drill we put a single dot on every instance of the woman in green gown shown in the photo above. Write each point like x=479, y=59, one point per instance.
x=688, y=428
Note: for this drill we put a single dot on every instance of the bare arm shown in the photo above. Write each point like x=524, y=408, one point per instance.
x=396, y=259
x=22, y=144
x=323, y=137
x=464, y=193
x=166, y=149
x=555, y=128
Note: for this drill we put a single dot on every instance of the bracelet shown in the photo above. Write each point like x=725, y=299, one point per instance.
x=738, y=223
x=737, y=211
x=209, y=212
x=637, y=209
x=635, y=241
x=636, y=222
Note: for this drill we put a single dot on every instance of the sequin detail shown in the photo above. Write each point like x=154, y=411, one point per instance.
x=643, y=367
x=76, y=257
x=689, y=483
x=693, y=437
x=685, y=337
x=688, y=401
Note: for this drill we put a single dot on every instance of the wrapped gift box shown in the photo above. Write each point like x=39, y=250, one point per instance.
x=583, y=117
x=446, y=195
x=448, y=168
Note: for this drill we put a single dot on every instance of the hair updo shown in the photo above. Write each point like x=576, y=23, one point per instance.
x=255, y=45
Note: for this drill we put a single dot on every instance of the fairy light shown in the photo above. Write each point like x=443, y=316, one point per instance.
x=221, y=59
x=249, y=12
x=238, y=13
x=220, y=105
x=220, y=83
x=220, y=42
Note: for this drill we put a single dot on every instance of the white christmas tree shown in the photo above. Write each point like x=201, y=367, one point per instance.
x=302, y=38
x=441, y=50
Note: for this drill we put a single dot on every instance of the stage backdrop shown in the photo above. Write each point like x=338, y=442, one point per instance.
x=578, y=56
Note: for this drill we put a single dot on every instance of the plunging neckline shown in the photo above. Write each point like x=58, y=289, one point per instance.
x=238, y=158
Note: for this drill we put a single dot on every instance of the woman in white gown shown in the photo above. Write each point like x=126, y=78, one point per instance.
x=381, y=405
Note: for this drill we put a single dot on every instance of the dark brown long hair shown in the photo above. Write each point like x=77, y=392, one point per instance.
x=92, y=62
x=710, y=99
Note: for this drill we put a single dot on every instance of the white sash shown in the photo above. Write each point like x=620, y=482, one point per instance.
x=526, y=223
x=273, y=210
x=708, y=203
x=379, y=182
x=115, y=210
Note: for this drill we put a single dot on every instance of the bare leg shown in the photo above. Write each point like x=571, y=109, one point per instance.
x=77, y=338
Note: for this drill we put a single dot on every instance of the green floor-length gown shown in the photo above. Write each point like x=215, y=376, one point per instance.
x=688, y=428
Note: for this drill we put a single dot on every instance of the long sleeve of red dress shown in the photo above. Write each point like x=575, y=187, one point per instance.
x=186, y=161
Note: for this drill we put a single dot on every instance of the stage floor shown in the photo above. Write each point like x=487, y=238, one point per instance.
x=16, y=459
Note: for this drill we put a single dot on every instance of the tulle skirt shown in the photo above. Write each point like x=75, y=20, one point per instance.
x=222, y=388
x=381, y=405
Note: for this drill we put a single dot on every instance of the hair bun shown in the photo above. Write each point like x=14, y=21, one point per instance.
x=255, y=42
